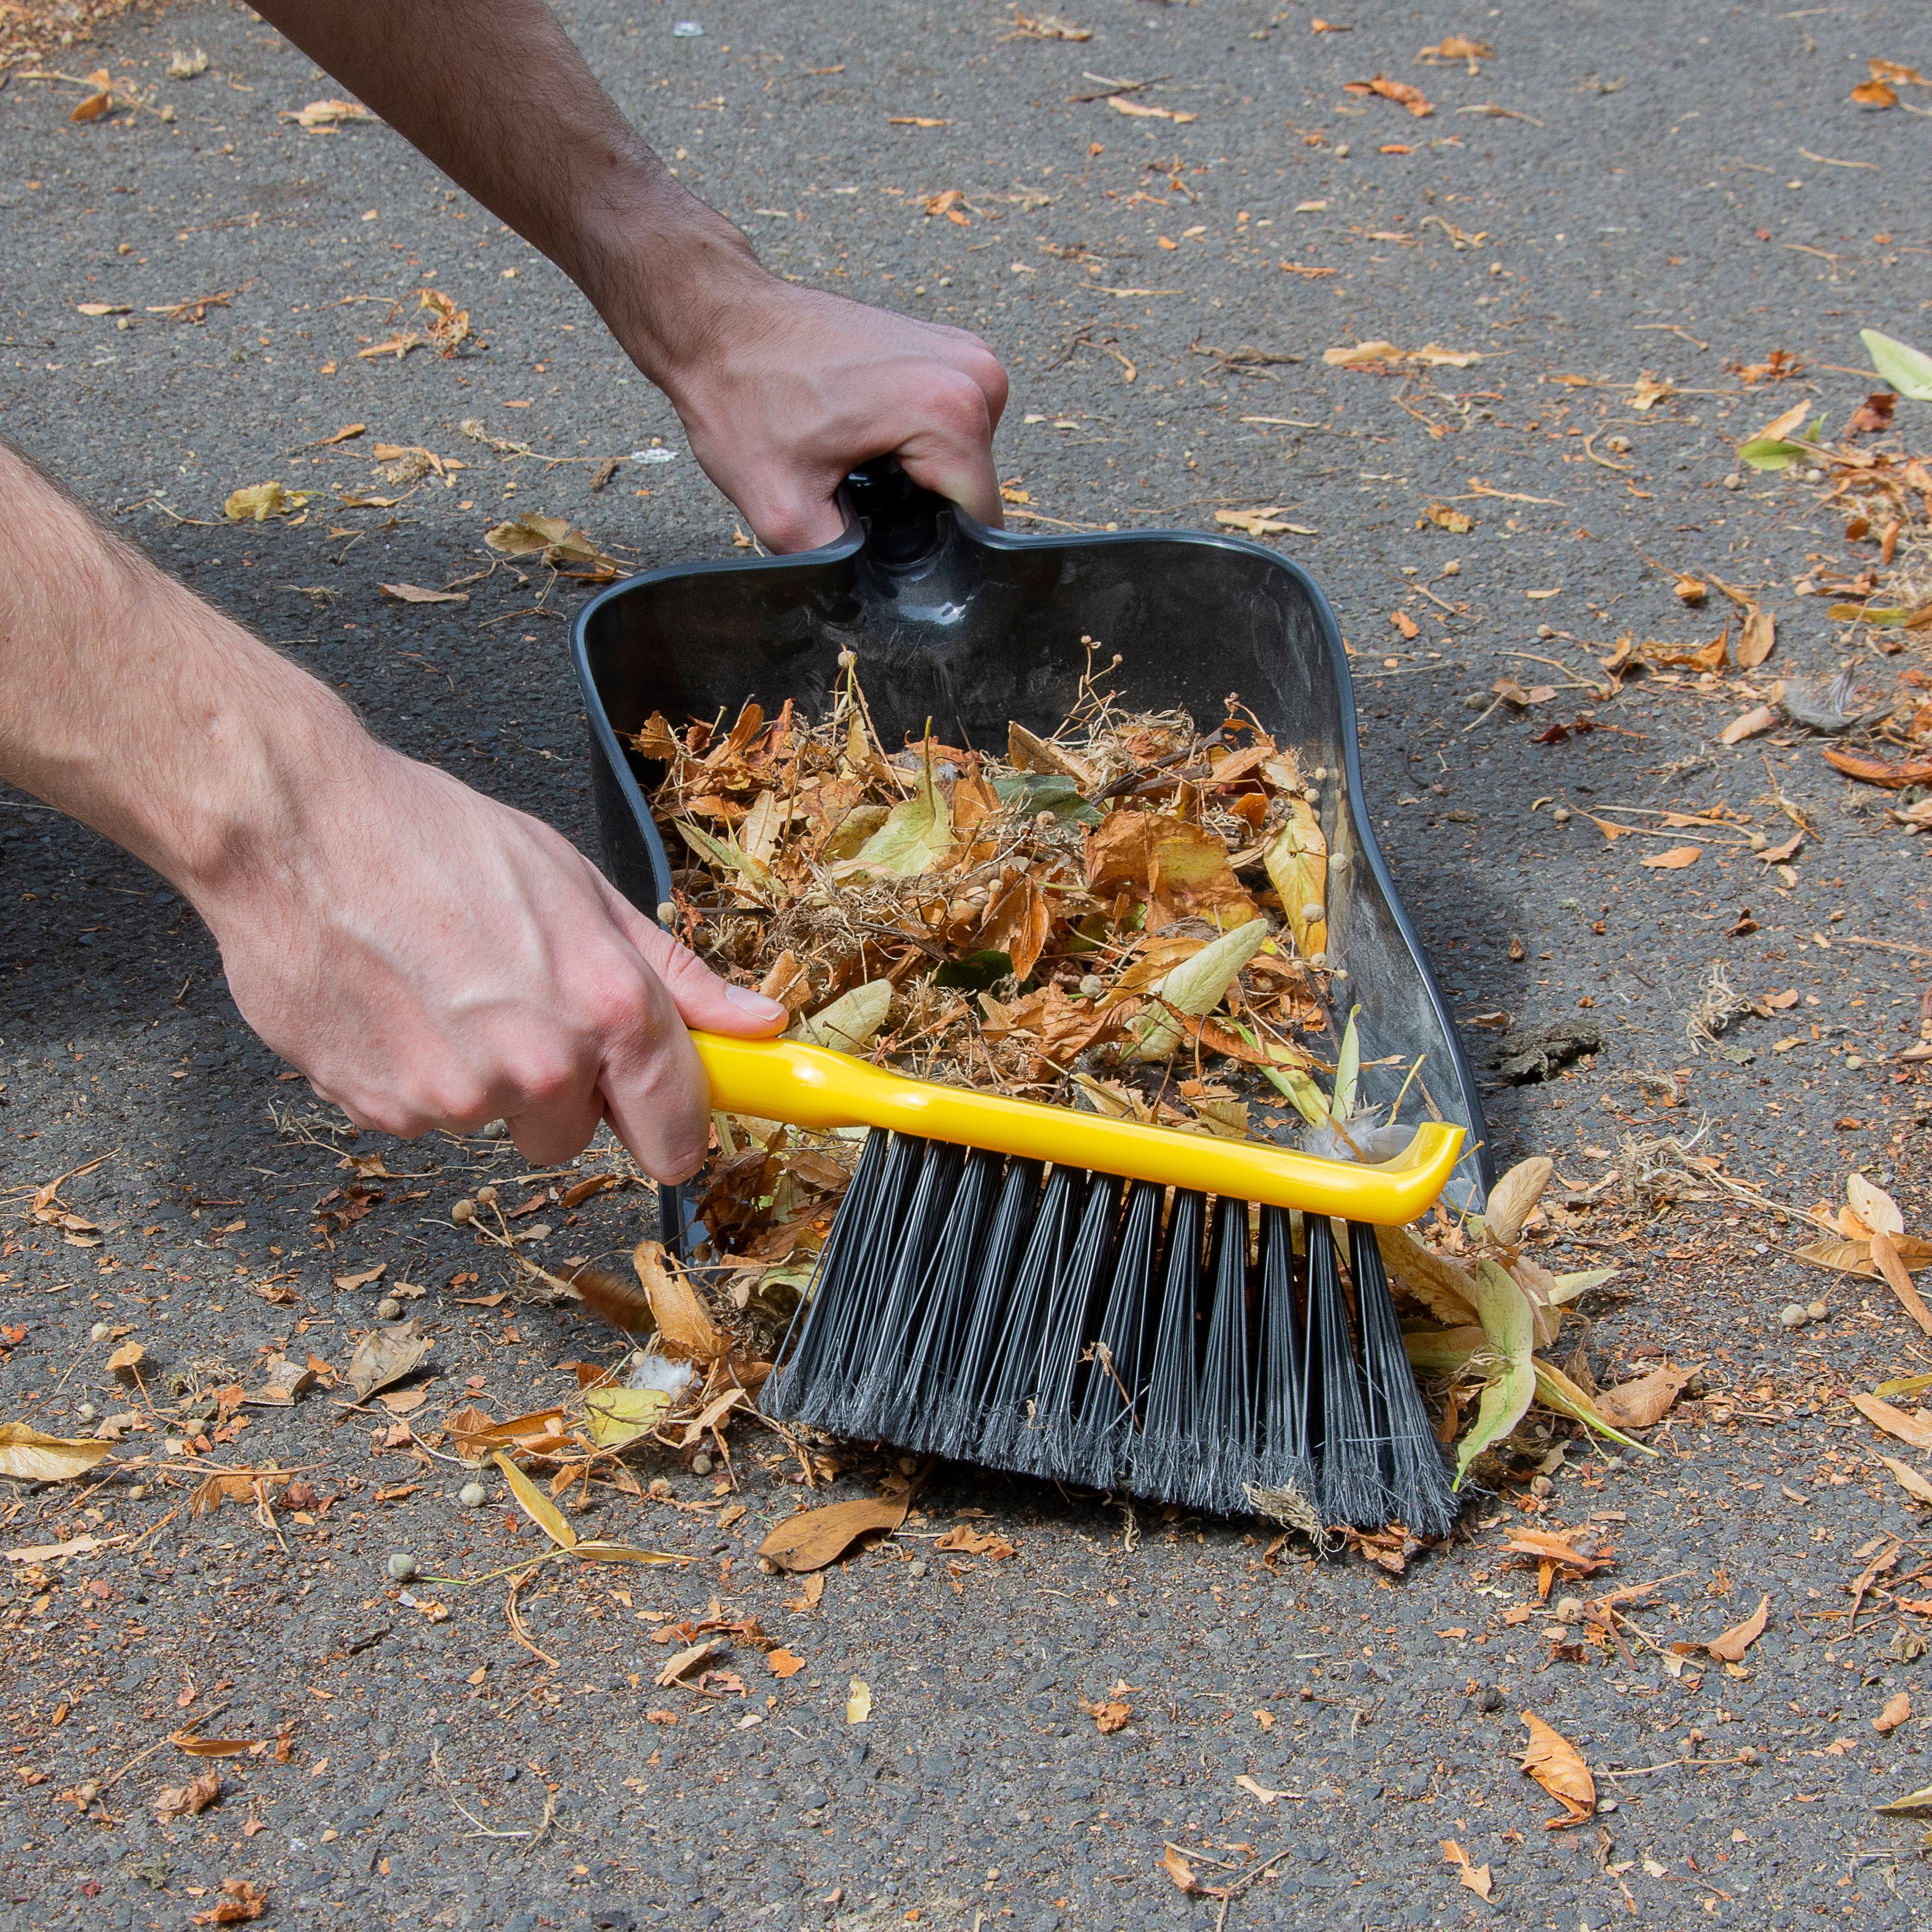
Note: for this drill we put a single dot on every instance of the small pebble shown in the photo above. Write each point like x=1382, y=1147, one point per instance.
x=1476, y=701
x=388, y=1309
x=100, y=1331
x=511, y=1773
x=700, y=1464
x=137, y=1491
x=1792, y=1316
x=464, y=1212
x=916, y=1568
x=1092, y=985
x=1817, y=1311
x=495, y=1130
x=402, y=1566
x=1734, y=481
x=1541, y=1485
x=472, y=1496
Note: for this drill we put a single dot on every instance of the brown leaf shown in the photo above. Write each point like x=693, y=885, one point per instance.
x=1555, y=1764
x=1179, y=1870
x=1730, y=1648
x=813, y=1538
x=1674, y=860
x=1866, y=94
x=241, y=1899
x=1909, y=1480
x=1756, y=639
x=414, y=593
x=1181, y=868
x=1638, y=1403
x=962, y=1537
x=125, y=1359
x=688, y=1659
x=782, y=1664
x=684, y=1331
x=1879, y=771
x=26, y=1455
x=1109, y=1715
x=1885, y=1253
x=1476, y=1877
x=1897, y=1709
x=1031, y=754
x=1748, y=725
x=385, y=1355
x=97, y=102
x=189, y=1800
x=1915, y=1430
x=1017, y=923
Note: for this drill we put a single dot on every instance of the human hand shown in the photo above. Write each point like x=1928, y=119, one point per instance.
x=786, y=390
x=430, y=958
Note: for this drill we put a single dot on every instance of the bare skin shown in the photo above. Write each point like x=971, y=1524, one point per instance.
x=426, y=956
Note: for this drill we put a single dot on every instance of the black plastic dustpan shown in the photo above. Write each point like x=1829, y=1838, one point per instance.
x=971, y=628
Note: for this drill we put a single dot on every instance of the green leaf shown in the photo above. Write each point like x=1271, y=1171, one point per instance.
x=917, y=836
x=1348, y=1069
x=1196, y=986
x=1908, y=369
x=1045, y=791
x=976, y=972
x=1570, y=1286
x=725, y=852
x=1771, y=453
x=1563, y=1395
x=1303, y=1095
x=1440, y=1351
x=850, y=1023
x=615, y=1416
x=1511, y=1332
x=537, y=1506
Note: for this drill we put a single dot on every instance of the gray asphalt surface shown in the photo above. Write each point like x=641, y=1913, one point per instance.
x=1648, y=204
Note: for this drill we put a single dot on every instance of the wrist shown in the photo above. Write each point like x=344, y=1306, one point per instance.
x=669, y=276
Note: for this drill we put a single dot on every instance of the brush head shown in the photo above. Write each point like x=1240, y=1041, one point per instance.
x=1074, y=1326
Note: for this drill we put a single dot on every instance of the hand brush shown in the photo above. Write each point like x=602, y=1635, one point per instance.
x=1014, y=1285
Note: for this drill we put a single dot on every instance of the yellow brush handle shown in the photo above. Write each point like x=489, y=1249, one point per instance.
x=811, y=1086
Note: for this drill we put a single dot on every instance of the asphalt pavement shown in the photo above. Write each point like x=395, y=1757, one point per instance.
x=1617, y=196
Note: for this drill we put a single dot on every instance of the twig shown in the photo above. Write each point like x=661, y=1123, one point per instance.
x=1229, y=1893
x=206, y=1717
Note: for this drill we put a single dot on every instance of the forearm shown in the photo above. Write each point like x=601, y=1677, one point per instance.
x=131, y=705
x=494, y=93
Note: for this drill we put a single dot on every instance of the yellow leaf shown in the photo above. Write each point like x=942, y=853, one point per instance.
x=28, y=1455
x=1555, y=1764
x=1910, y=1481
x=1674, y=860
x=260, y=501
x=536, y=1505
x=615, y=1416
x=858, y=1701
x=684, y=1331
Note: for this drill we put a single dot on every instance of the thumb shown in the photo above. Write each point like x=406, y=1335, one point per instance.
x=703, y=999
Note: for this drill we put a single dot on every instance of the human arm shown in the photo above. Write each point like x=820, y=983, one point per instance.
x=426, y=956
x=781, y=389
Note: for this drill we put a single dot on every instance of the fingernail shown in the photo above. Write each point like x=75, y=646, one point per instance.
x=755, y=1004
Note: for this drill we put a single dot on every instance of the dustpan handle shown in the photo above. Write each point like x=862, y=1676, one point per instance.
x=902, y=517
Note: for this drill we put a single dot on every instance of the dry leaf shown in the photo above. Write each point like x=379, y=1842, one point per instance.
x=324, y=117
x=1749, y=725
x=350, y=1283
x=28, y=1455
x=1476, y=1877
x=858, y=1701
x=1513, y=1199
x=1674, y=860
x=1555, y=1764
x=385, y=1355
x=813, y=1538
x=684, y=1331
x=1886, y=1256
x=414, y=593
x=687, y=1661
x=536, y=1505
x=260, y=501
x=782, y=1664
x=1897, y=1709
x=97, y=102
x=1447, y=517
x=1730, y=1648
x=241, y=1899
x=1179, y=1870
x=1109, y=1716
x=553, y=539
x=963, y=1537
x=125, y=1359
x=1873, y=1205
x=1649, y=1399
x=1915, y=1805
x=1909, y=1480
x=189, y=1800
x=1915, y=1430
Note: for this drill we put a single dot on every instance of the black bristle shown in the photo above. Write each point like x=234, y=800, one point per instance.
x=1224, y=1406
x=1349, y=1487
x=876, y=1388
x=1074, y=1326
x=1047, y=1447
x=960, y=1417
x=1415, y=1479
x=1283, y=1460
x=913, y=1414
x=1123, y=1350
x=1165, y=1453
x=1009, y=1393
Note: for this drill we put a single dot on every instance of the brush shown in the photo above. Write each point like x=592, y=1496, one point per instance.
x=1096, y=1301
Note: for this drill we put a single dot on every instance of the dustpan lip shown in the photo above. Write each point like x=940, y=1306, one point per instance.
x=852, y=541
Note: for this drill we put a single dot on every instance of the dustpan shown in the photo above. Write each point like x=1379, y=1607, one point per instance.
x=968, y=627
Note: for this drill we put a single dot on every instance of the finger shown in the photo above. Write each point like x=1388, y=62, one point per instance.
x=701, y=998
x=559, y=1130
x=656, y=1097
